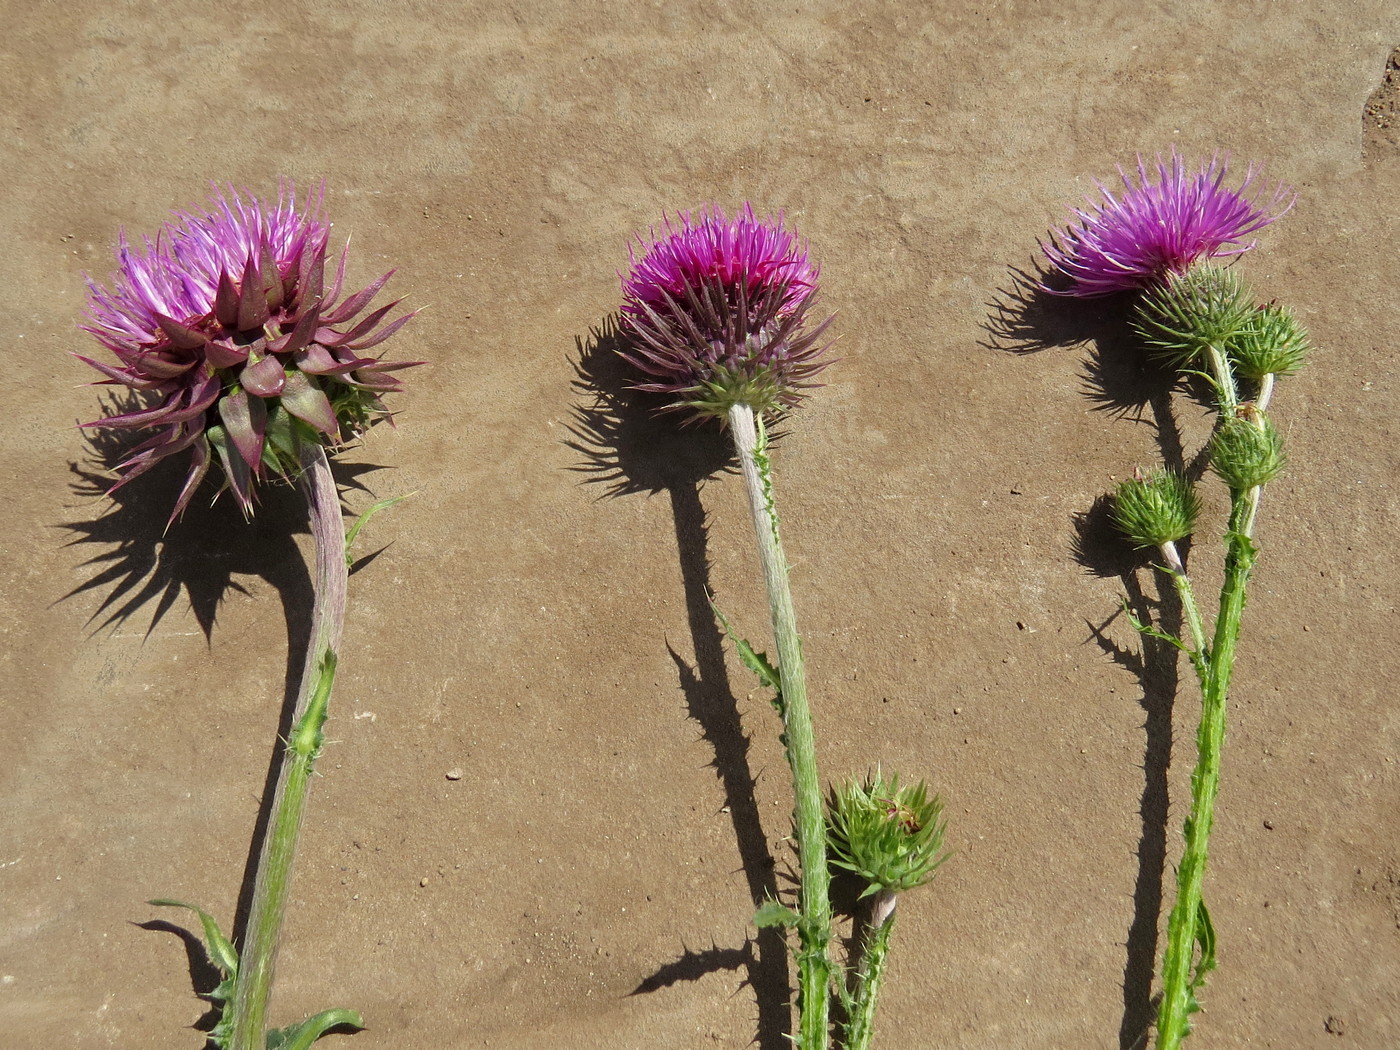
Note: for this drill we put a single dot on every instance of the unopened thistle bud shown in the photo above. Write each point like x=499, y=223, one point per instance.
x=1246, y=453
x=1273, y=343
x=1186, y=314
x=888, y=834
x=1155, y=509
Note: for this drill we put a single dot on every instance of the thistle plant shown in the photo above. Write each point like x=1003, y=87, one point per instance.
x=891, y=837
x=717, y=317
x=226, y=327
x=1158, y=240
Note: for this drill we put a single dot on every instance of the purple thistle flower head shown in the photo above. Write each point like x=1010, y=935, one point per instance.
x=1161, y=225
x=715, y=313
x=225, y=322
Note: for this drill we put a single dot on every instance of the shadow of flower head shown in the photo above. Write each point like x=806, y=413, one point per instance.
x=1099, y=545
x=1030, y=315
x=626, y=444
x=143, y=563
x=1123, y=380
x=1119, y=377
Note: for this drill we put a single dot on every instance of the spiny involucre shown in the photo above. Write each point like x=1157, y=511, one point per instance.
x=227, y=326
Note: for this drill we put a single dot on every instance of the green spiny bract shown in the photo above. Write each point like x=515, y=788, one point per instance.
x=1247, y=451
x=1183, y=316
x=890, y=835
x=1273, y=343
x=1158, y=508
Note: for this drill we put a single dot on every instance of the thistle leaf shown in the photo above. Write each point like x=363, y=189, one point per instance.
x=224, y=956
x=373, y=509
x=221, y=950
x=301, y=1036
x=774, y=913
x=755, y=661
x=1152, y=632
x=1205, y=941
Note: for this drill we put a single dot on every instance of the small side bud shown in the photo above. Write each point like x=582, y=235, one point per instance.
x=888, y=834
x=1246, y=453
x=1182, y=316
x=1155, y=509
x=1273, y=343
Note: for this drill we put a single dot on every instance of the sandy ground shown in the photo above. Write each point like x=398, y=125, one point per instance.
x=535, y=618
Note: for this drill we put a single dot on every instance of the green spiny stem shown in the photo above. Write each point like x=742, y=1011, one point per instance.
x=814, y=929
x=871, y=974
x=253, y=986
x=1261, y=402
x=1176, y=569
x=1226, y=389
x=1178, y=986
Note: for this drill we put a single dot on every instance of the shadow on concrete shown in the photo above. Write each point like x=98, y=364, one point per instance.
x=141, y=568
x=629, y=449
x=1119, y=378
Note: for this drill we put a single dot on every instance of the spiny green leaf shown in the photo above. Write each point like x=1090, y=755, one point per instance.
x=774, y=913
x=1243, y=544
x=224, y=956
x=1205, y=940
x=308, y=735
x=755, y=661
x=765, y=474
x=1152, y=632
x=363, y=519
x=221, y=950
x=301, y=1036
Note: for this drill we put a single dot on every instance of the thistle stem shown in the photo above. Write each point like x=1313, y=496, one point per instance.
x=814, y=927
x=1186, y=922
x=1227, y=394
x=871, y=974
x=253, y=985
x=1176, y=569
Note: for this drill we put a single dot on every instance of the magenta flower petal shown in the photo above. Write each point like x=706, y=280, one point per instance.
x=1161, y=224
x=715, y=313
x=211, y=322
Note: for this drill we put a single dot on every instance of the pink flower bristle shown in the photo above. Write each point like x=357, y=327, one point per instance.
x=1138, y=234
x=714, y=312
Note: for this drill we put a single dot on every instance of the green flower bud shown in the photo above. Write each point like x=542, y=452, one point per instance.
x=889, y=835
x=1273, y=343
x=1245, y=453
x=1181, y=317
x=1155, y=509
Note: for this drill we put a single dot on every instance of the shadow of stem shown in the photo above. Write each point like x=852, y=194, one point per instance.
x=141, y=564
x=1119, y=379
x=630, y=450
